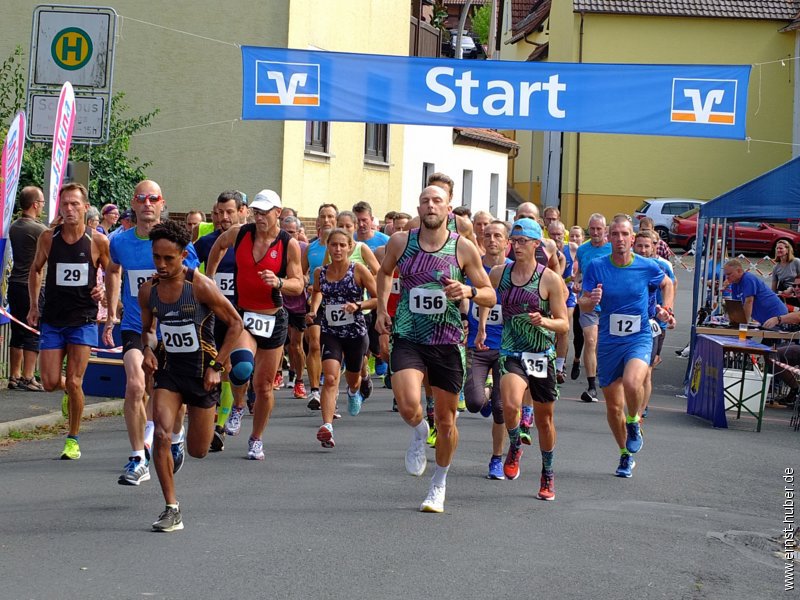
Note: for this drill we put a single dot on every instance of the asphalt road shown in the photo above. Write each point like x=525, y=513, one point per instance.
x=693, y=522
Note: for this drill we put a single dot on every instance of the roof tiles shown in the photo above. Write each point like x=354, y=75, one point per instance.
x=782, y=10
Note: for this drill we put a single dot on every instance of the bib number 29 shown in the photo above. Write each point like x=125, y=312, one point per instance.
x=72, y=274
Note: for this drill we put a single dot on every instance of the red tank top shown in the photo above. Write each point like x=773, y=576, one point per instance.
x=251, y=291
x=394, y=296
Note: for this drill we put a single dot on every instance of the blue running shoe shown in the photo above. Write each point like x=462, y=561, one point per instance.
x=354, y=403
x=178, y=455
x=380, y=367
x=486, y=409
x=496, y=468
x=635, y=440
x=626, y=464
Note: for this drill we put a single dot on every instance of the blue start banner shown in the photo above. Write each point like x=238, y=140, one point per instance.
x=678, y=100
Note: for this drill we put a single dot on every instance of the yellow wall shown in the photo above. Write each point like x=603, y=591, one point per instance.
x=379, y=27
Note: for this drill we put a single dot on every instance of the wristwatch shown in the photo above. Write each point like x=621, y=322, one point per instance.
x=472, y=292
x=218, y=367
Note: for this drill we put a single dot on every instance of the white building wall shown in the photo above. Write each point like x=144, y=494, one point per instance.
x=434, y=145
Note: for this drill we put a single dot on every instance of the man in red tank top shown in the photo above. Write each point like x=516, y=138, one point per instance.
x=267, y=266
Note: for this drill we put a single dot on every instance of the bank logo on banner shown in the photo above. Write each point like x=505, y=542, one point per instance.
x=708, y=101
x=287, y=84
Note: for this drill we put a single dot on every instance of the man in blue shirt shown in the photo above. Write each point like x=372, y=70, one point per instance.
x=759, y=301
x=597, y=246
x=620, y=285
x=364, y=231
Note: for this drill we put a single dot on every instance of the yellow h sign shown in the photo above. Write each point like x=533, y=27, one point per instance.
x=71, y=48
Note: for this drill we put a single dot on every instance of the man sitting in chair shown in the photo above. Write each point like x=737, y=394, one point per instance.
x=759, y=301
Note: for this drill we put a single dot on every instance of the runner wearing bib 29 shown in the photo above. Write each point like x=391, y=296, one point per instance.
x=267, y=266
x=533, y=298
x=339, y=291
x=185, y=304
x=620, y=285
x=427, y=330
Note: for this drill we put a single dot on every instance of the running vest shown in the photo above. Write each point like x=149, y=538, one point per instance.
x=519, y=334
x=315, y=256
x=335, y=294
x=494, y=321
x=424, y=314
x=187, y=330
x=252, y=292
x=224, y=275
x=71, y=275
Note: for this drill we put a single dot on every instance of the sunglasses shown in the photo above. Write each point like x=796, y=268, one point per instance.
x=141, y=198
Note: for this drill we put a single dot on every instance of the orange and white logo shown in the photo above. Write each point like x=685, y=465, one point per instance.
x=287, y=84
x=708, y=101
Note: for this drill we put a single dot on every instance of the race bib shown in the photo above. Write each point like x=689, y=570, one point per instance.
x=337, y=316
x=260, y=325
x=624, y=325
x=179, y=338
x=224, y=282
x=72, y=274
x=495, y=314
x=396, y=285
x=137, y=277
x=423, y=301
x=535, y=364
x=655, y=328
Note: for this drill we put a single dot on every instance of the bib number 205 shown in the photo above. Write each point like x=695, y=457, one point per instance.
x=427, y=302
x=180, y=338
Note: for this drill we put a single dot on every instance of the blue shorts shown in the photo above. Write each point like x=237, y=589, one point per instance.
x=612, y=357
x=572, y=300
x=57, y=338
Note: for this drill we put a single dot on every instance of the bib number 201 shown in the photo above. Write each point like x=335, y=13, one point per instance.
x=260, y=325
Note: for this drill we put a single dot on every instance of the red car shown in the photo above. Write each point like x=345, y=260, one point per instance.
x=748, y=236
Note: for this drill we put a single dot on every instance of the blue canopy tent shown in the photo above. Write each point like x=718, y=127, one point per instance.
x=772, y=196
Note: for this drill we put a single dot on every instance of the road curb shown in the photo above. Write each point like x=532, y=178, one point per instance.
x=53, y=418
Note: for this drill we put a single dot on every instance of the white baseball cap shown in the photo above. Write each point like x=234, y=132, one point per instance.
x=266, y=200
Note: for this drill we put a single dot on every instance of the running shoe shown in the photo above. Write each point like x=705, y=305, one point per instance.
x=299, y=390
x=486, y=409
x=561, y=377
x=218, y=441
x=511, y=466
x=645, y=411
x=65, y=405
x=416, y=461
x=354, y=402
x=576, y=371
x=366, y=388
x=278, y=383
x=434, y=502
x=462, y=404
x=394, y=405
x=313, y=400
x=590, y=395
x=135, y=472
x=178, y=450
x=169, y=520
x=234, y=424
x=496, y=468
x=336, y=413
x=71, y=450
x=147, y=455
x=525, y=434
x=255, y=449
x=635, y=440
x=380, y=367
x=526, y=418
x=432, y=436
x=325, y=436
x=387, y=381
x=547, y=488
x=626, y=465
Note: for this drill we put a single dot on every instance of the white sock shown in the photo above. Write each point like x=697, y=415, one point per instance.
x=421, y=430
x=440, y=476
x=328, y=426
x=149, y=430
x=177, y=438
x=138, y=454
x=560, y=364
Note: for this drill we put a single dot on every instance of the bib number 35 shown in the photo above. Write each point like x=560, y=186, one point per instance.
x=535, y=364
x=427, y=302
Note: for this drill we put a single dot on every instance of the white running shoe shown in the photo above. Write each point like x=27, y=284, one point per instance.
x=255, y=450
x=434, y=503
x=234, y=423
x=416, y=461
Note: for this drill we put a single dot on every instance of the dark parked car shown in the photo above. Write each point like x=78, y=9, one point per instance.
x=470, y=47
x=747, y=236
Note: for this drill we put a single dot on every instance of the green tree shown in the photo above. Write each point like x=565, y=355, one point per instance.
x=481, y=19
x=113, y=172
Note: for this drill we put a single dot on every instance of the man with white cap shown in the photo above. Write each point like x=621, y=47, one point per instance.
x=267, y=265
